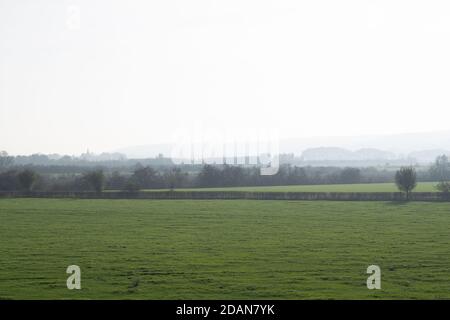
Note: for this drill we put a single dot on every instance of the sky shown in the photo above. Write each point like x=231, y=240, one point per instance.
x=107, y=74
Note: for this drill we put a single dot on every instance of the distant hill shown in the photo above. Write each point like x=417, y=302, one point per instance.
x=340, y=154
x=326, y=153
x=146, y=151
x=422, y=147
x=428, y=155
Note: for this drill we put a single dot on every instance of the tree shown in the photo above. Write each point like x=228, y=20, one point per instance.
x=116, y=181
x=440, y=170
x=232, y=176
x=297, y=175
x=27, y=179
x=406, y=180
x=174, y=178
x=9, y=181
x=5, y=159
x=146, y=178
x=350, y=175
x=131, y=185
x=95, y=179
x=444, y=187
x=209, y=176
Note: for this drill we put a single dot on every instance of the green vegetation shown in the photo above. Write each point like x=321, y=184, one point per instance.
x=406, y=180
x=27, y=179
x=366, y=187
x=95, y=179
x=444, y=187
x=132, y=249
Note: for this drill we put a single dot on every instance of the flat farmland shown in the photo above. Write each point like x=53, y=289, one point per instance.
x=235, y=249
x=359, y=187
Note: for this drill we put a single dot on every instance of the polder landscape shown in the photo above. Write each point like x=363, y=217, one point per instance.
x=220, y=249
x=224, y=156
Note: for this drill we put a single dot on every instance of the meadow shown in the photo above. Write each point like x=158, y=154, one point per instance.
x=363, y=187
x=235, y=249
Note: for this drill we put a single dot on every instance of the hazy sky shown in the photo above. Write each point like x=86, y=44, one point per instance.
x=104, y=74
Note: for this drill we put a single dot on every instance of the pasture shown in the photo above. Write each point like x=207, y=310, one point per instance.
x=363, y=187
x=240, y=249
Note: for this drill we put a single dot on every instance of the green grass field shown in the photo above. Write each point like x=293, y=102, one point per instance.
x=367, y=187
x=236, y=249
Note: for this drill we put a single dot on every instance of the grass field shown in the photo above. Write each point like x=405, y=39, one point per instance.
x=138, y=249
x=367, y=187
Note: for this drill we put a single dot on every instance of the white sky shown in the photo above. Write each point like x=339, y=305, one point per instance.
x=131, y=72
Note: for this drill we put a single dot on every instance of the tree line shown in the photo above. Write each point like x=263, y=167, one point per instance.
x=148, y=177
